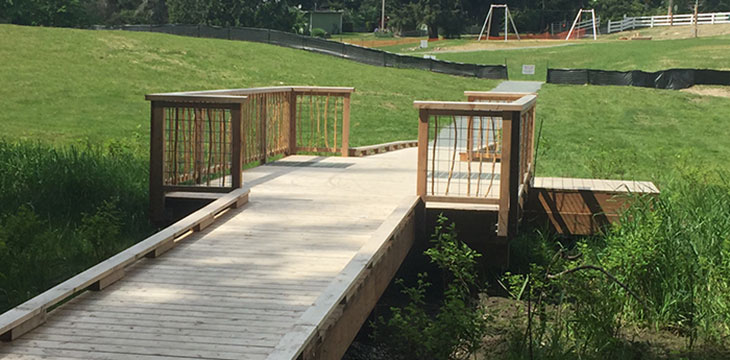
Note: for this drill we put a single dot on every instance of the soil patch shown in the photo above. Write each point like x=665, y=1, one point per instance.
x=709, y=90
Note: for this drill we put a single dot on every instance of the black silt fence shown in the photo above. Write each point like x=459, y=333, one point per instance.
x=352, y=52
x=666, y=79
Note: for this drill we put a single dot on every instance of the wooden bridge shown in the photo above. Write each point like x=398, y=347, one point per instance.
x=287, y=258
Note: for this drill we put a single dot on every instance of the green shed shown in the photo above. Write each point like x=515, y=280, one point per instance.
x=327, y=20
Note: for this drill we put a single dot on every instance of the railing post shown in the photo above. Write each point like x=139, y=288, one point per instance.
x=509, y=180
x=236, y=146
x=422, y=168
x=346, y=125
x=157, y=196
x=293, y=123
x=263, y=123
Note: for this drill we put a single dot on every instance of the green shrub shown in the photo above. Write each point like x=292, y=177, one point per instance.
x=455, y=328
x=320, y=33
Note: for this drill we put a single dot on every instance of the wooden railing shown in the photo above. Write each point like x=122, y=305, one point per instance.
x=200, y=141
x=480, y=152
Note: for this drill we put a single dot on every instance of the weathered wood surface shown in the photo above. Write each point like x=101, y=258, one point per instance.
x=572, y=206
x=240, y=286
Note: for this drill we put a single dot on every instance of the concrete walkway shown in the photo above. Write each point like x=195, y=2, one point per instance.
x=518, y=86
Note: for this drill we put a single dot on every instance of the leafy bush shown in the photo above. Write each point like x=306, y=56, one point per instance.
x=320, y=33
x=456, y=328
x=64, y=210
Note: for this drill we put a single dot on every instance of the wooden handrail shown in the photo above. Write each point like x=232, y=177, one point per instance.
x=214, y=132
x=508, y=140
x=521, y=104
x=262, y=90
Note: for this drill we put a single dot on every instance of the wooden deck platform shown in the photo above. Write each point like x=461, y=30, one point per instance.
x=256, y=284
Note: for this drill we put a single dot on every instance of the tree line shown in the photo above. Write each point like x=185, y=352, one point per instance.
x=449, y=18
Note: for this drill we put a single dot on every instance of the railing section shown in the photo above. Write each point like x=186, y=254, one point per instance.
x=199, y=141
x=480, y=151
x=668, y=20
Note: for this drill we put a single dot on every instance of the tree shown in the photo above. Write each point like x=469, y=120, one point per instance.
x=438, y=15
x=66, y=13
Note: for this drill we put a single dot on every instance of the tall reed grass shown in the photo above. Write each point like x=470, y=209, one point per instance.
x=670, y=261
x=63, y=210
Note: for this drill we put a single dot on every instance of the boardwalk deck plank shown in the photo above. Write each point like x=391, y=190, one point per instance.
x=235, y=289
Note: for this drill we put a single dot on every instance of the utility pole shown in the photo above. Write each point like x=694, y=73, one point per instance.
x=382, y=18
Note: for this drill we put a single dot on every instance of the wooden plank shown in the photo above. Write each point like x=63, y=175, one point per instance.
x=157, y=346
x=261, y=346
x=513, y=180
x=422, y=169
x=237, y=147
x=292, y=149
x=241, y=323
x=496, y=95
x=29, y=324
x=129, y=349
x=504, y=176
x=107, y=280
x=29, y=311
x=164, y=247
x=80, y=354
x=305, y=329
x=130, y=331
x=190, y=100
x=380, y=148
x=457, y=112
x=462, y=199
x=368, y=289
x=193, y=195
x=157, y=197
x=196, y=188
x=521, y=104
x=345, y=151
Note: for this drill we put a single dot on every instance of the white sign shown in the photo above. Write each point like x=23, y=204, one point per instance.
x=424, y=44
x=528, y=69
x=432, y=57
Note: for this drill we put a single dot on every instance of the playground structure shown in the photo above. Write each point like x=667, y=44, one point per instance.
x=585, y=24
x=490, y=16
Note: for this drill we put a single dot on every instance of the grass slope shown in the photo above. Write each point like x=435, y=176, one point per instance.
x=710, y=52
x=62, y=85
x=628, y=132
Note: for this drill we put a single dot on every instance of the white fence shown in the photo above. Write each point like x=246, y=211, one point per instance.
x=666, y=20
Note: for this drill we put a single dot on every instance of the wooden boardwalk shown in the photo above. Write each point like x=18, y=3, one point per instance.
x=241, y=288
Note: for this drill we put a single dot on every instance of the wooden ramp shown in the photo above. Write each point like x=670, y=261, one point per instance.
x=258, y=283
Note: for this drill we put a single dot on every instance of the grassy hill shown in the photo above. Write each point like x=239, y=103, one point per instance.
x=629, y=132
x=65, y=85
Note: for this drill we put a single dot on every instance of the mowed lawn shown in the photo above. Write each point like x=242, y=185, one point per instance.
x=63, y=85
x=622, y=132
x=652, y=55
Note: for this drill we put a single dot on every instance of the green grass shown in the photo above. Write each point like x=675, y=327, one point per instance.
x=64, y=210
x=710, y=53
x=628, y=132
x=64, y=85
